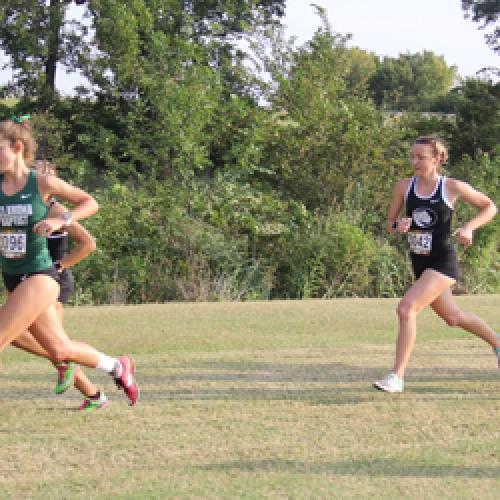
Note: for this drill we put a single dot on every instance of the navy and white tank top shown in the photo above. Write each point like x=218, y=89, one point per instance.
x=431, y=216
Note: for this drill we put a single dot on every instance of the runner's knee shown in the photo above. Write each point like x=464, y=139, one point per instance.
x=405, y=309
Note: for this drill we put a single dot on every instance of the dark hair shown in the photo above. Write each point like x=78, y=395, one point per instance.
x=437, y=144
x=14, y=131
x=44, y=167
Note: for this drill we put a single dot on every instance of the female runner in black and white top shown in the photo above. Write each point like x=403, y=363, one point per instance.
x=429, y=200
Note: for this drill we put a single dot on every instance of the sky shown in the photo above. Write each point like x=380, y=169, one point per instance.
x=385, y=27
x=393, y=27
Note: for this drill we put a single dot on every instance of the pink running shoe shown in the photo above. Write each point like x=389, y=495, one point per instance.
x=126, y=379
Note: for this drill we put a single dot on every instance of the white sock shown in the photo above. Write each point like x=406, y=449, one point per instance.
x=108, y=364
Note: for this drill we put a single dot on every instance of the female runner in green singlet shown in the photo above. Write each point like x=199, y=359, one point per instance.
x=28, y=271
x=84, y=244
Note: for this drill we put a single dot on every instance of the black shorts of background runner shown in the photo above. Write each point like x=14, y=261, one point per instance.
x=67, y=283
x=444, y=262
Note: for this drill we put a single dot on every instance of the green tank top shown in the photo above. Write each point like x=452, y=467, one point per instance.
x=22, y=250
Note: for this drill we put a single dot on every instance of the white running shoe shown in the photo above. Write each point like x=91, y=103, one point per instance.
x=390, y=383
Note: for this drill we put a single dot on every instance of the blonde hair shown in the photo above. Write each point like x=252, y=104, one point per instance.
x=438, y=146
x=13, y=132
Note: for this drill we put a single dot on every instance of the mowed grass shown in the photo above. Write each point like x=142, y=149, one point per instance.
x=260, y=400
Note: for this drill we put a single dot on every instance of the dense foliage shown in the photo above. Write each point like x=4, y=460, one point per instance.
x=230, y=164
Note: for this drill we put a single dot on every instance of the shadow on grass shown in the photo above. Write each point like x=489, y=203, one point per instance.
x=328, y=383
x=333, y=377
x=271, y=372
x=378, y=467
x=313, y=396
x=323, y=396
x=310, y=372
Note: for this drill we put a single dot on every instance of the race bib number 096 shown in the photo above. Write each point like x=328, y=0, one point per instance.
x=13, y=244
x=420, y=243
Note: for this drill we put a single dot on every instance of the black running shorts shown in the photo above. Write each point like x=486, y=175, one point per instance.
x=444, y=262
x=11, y=281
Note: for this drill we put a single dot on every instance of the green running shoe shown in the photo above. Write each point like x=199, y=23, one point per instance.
x=66, y=371
x=94, y=403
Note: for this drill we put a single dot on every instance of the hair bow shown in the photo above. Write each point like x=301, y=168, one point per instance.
x=21, y=118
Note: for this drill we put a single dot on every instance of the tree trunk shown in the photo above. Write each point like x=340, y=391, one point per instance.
x=56, y=13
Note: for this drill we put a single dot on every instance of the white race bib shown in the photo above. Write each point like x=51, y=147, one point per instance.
x=13, y=244
x=420, y=242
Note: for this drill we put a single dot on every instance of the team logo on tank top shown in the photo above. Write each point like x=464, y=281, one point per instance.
x=424, y=217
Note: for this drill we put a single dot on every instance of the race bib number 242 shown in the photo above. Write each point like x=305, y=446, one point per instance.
x=420, y=242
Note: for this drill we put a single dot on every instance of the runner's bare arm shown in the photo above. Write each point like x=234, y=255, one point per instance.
x=85, y=243
x=459, y=190
x=397, y=202
x=51, y=186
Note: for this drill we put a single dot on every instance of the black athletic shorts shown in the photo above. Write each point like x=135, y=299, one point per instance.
x=11, y=281
x=444, y=262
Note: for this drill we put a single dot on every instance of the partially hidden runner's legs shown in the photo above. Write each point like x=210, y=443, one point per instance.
x=94, y=398
x=81, y=382
x=40, y=292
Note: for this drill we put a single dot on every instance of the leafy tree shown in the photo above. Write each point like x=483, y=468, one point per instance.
x=167, y=69
x=225, y=18
x=477, y=119
x=324, y=135
x=359, y=69
x=411, y=82
x=37, y=37
x=233, y=185
x=487, y=12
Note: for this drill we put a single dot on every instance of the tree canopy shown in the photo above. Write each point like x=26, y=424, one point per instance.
x=228, y=170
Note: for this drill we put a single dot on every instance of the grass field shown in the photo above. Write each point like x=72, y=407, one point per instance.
x=260, y=400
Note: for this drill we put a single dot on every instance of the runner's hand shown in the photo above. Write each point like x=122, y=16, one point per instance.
x=464, y=236
x=48, y=226
x=404, y=225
